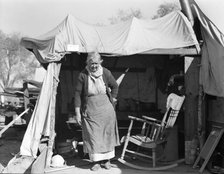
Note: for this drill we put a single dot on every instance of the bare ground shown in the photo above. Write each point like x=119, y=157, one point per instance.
x=10, y=144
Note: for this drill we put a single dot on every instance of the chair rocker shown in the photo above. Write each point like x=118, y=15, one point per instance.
x=154, y=134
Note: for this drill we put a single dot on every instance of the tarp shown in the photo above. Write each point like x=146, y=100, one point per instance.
x=126, y=38
x=214, y=11
x=212, y=62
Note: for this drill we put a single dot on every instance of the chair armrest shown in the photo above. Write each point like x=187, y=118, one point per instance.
x=151, y=119
x=145, y=121
x=136, y=118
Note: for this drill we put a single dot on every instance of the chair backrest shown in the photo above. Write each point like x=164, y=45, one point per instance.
x=173, y=105
x=153, y=130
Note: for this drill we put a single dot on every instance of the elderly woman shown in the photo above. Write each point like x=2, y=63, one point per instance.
x=95, y=93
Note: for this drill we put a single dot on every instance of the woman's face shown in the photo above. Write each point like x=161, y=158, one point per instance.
x=93, y=65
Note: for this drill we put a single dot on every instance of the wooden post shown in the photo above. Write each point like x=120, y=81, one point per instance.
x=26, y=100
x=201, y=119
x=26, y=95
x=191, y=106
x=193, y=99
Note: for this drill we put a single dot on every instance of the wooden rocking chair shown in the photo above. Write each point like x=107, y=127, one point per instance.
x=153, y=133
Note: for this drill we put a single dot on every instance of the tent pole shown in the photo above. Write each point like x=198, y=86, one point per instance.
x=186, y=9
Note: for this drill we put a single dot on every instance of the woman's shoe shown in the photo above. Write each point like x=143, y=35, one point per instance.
x=95, y=167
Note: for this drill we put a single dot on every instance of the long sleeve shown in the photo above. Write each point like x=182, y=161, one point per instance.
x=78, y=90
x=112, y=84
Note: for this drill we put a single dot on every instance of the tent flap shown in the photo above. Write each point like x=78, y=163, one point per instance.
x=39, y=124
x=212, y=62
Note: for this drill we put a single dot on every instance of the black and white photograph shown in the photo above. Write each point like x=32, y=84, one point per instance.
x=112, y=87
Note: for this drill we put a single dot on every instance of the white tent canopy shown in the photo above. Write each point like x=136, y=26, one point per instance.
x=127, y=38
x=131, y=37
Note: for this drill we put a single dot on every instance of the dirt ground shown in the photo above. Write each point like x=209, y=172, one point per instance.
x=10, y=144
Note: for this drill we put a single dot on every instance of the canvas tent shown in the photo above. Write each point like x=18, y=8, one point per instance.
x=212, y=29
x=131, y=37
x=135, y=36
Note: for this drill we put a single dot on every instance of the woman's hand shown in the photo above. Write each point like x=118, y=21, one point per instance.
x=78, y=116
x=78, y=119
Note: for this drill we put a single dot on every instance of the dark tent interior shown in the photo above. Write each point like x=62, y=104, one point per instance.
x=143, y=90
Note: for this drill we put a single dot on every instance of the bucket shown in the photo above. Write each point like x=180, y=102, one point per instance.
x=171, y=148
x=64, y=147
x=191, y=151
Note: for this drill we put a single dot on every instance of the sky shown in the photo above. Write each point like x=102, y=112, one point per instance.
x=214, y=10
x=36, y=17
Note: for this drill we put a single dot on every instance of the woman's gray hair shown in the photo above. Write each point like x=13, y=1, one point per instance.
x=93, y=55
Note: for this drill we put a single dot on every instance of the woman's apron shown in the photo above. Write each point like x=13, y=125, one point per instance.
x=99, y=126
